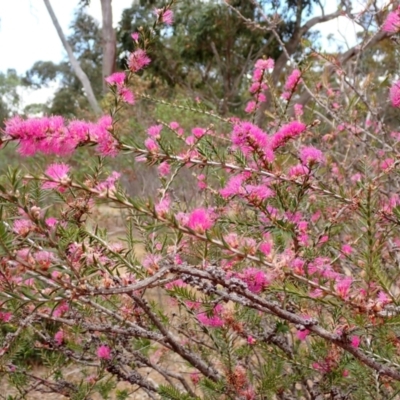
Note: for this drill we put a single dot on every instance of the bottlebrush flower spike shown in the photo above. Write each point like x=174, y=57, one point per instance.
x=293, y=80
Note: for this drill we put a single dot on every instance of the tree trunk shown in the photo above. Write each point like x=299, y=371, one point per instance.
x=80, y=74
x=109, y=41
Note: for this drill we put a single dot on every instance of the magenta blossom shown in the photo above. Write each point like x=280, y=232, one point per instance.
x=214, y=320
x=310, y=155
x=59, y=173
x=392, y=22
x=126, y=95
x=118, y=78
x=200, y=220
x=255, y=279
x=293, y=80
x=166, y=17
x=286, y=133
x=394, y=94
x=138, y=60
x=104, y=352
x=265, y=64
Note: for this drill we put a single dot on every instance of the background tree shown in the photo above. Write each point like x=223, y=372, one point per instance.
x=85, y=41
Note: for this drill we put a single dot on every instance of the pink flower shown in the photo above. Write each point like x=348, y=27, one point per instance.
x=151, y=145
x=198, y=132
x=5, y=316
x=251, y=340
x=51, y=222
x=394, y=94
x=126, y=95
x=214, y=320
x=250, y=107
x=298, y=110
x=347, y=249
x=59, y=173
x=151, y=262
x=154, y=131
x=164, y=169
x=138, y=60
x=302, y=334
x=174, y=125
x=167, y=16
x=287, y=132
x=118, y=78
x=44, y=258
x=23, y=226
x=233, y=187
x=311, y=155
x=357, y=177
x=247, y=137
x=258, y=193
x=342, y=287
x=135, y=36
x=107, y=186
x=383, y=299
x=194, y=377
x=387, y=164
x=162, y=208
x=355, y=341
x=59, y=337
x=62, y=308
x=292, y=80
x=200, y=220
x=265, y=64
x=255, y=279
x=298, y=171
x=104, y=352
x=392, y=22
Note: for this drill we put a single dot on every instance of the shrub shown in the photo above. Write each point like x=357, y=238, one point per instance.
x=279, y=280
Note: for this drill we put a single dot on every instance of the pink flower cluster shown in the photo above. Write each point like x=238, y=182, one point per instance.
x=59, y=173
x=248, y=137
x=118, y=80
x=291, y=84
x=392, y=22
x=104, y=352
x=286, y=133
x=50, y=135
x=394, y=94
x=258, y=86
x=310, y=155
x=214, y=320
x=256, y=279
x=108, y=186
x=165, y=16
x=138, y=60
x=200, y=220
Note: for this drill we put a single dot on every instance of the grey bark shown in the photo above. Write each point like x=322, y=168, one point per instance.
x=109, y=40
x=80, y=74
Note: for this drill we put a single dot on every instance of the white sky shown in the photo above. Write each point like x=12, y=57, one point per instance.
x=28, y=35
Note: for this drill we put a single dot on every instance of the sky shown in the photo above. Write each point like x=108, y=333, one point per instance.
x=27, y=34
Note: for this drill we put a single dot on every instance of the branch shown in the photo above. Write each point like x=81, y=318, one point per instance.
x=109, y=41
x=80, y=74
x=347, y=56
